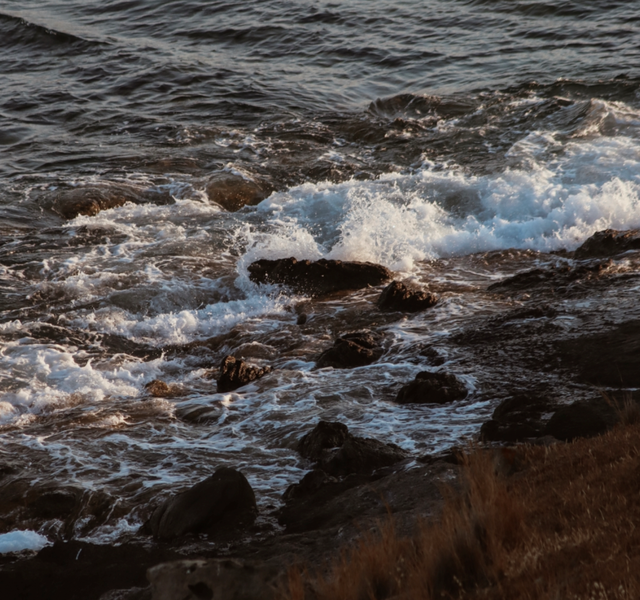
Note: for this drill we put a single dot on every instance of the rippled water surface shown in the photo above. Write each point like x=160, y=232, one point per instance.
x=454, y=142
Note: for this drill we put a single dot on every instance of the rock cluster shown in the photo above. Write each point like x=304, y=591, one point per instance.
x=397, y=296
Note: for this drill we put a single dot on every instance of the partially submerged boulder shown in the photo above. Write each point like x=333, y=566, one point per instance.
x=318, y=277
x=397, y=296
x=351, y=350
x=432, y=388
x=160, y=389
x=232, y=191
x=222, y=503
x=337, y=452
x=609, y=243
x=235, y=373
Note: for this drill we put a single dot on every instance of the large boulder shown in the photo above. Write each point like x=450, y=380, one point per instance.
x=581, y=419
x=221, y=504
x=235, y=373
x=432, y=388
x=232, y=192
x=517, y=418
x=318, y=277
x=337, y=452
x=609, y=243
x=351, y=350
x=398, y=297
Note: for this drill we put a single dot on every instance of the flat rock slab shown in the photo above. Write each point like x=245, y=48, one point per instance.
x=318, y=277
x=399, y=297
x=223, y=503
x=214, y=579
x=432, y=388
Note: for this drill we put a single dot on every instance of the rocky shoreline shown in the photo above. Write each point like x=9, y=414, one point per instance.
x=550, y=378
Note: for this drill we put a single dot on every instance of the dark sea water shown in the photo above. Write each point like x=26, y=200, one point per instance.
x=454, y=142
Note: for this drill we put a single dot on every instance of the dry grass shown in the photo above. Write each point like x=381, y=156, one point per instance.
x=566, y=525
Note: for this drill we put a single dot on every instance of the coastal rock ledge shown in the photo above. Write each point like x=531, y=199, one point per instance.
x=318, y=277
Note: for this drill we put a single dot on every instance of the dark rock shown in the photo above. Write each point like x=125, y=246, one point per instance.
x=436, y=388
x=581, y=419
x=320, y=277
x=351, y=350
x=235, y=373
x=232, y=192
x=338, y=453
x=323, y=436
x=302, y=319
x=522, y=281
x=221, y=504
x=398, y=297
x=308, y=485
x=517, y=418
x=214, y=579
x=609, y=243
x=611, y=358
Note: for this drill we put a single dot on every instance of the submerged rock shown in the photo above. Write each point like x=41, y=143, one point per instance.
x=235, y=373
x=318, y=277
x=232, y=192
x=223, y=503
x=351, y=350
x=90, y=200
x=397, y=296
x=609, y=243
x=436, y=388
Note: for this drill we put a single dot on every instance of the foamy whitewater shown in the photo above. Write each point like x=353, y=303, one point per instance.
x=452, y=175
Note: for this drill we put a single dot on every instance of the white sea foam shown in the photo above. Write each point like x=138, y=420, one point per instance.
x=19, y=541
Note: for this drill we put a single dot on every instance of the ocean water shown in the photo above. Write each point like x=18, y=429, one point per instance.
x=454, y=142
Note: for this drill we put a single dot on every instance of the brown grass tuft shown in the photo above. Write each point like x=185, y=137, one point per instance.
x=566, y=525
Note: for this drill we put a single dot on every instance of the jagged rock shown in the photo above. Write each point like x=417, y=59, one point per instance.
x=338, y=453
x=398, y=297
x=235, y=373
x=609, y=243
x=232, y=192
x=160, y=389
x=436, y=388
x=516, y=418
x=351, y=350
x=581, y=419
x=324, y=435
x=213, y=579
x=223, y=503
x=318, y=277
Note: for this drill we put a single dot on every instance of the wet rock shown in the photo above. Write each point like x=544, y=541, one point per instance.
x=436, y=388
x=398, y=297
x=611, y=358
x=160, y=389
x=609, y=243
x=235, y=373
x=351, y=350
x=302, y=319
x=214, y=579
x=222, y=504
x=581, y=419
x=516, y=419
x=522, y=281
x=232, y=192
x=311, y=483
x=90, y=200
x=324, y=435
x=318, y=277
x=338, y=453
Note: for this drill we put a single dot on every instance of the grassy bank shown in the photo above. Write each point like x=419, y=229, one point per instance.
x=556, y=522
